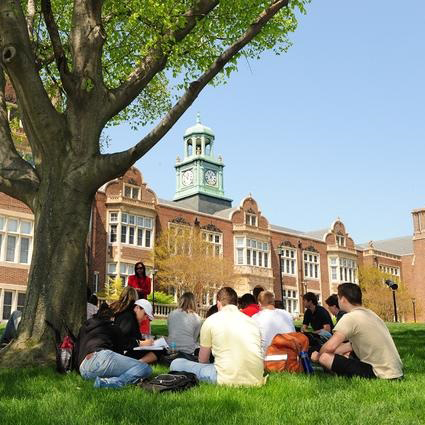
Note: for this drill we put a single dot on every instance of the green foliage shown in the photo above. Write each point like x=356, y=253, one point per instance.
x=136, y=28
x=161, y=298
x=112, y=289
x=43, y=397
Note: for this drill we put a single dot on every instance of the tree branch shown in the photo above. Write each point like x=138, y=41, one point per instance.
x=121, y=161
x=17, y=177
x=87, y=39
x=30, y=17
x=155, y=61
x=17, y=58
x=58, y=50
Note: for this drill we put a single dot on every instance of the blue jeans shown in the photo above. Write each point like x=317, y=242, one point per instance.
x=115, y=369
x=204, y=371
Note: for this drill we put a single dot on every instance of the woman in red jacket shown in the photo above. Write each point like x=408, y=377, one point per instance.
x=139, y=281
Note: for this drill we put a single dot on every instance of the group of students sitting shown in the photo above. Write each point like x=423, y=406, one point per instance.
x=233, y=341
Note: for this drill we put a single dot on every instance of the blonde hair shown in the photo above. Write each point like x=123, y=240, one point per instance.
x=187, y=302
x=127, y=298
x=266, y=298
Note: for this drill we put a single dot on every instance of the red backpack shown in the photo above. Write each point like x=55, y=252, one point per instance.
x=288, y=352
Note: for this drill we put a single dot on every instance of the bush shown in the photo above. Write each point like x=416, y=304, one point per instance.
x=161, y=298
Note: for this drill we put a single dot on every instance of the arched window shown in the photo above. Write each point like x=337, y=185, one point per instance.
x=189, y=148
x=208, y=148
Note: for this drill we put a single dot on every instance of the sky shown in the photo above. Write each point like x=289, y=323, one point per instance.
x=333, y=128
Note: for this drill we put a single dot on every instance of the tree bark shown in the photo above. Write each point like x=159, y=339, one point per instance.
x=57, y=281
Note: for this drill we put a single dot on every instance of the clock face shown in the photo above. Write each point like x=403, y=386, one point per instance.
x=187, y=178
x=211, y=177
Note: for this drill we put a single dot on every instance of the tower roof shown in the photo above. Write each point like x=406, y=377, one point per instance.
x=198, y=128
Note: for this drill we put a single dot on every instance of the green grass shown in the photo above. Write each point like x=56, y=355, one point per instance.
x=40, y=396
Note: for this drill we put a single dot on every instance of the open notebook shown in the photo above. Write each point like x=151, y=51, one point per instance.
x=158, y=344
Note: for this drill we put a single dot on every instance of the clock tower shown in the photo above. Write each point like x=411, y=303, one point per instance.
x=200, y=175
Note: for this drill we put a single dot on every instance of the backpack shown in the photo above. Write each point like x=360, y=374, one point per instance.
x=288, y=353
x=172, y=381
x=66, y=350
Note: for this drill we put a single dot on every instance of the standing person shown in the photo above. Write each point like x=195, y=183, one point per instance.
x=368, y=337
x=139, y=281
x=272, y=321
x=316, y=316
x=101, y=344
x=235, y=341
x=184, y=325
x=142, y=284
x=333, y=305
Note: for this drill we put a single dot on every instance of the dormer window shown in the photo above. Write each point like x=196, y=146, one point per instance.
x=340, y=240
x=131, y=191
x=251, y=219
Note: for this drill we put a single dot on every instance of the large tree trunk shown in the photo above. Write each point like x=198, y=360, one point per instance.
x=57, y=280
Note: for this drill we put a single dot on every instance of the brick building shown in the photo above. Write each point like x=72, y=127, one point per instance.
x=127, y=216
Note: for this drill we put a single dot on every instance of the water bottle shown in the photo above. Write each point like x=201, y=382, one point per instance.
x=173, y=347
x=306, y=362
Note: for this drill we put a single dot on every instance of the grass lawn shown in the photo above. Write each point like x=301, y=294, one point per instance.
x=40, y=396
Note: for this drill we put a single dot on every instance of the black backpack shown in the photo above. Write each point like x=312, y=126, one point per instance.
x=172, y=381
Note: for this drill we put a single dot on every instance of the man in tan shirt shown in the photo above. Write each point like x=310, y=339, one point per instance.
x=235, y=341
x=367, y=336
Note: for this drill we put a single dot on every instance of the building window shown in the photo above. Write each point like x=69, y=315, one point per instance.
x=133, y=230
x=288, y=260
x=215, y=243
x=290, y=300
x=21, y=301
x=252, y=252
x=392, y=270
x=131, y=192
x=251, y=219
x=347, y=270
x=15, y=240
x=7, y=304
x=311, y=265
x=340, y=240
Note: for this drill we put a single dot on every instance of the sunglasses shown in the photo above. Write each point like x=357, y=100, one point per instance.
x=140, y=268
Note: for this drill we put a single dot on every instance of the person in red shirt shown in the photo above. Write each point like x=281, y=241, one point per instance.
x=248, y=305
x=142, y=284
x=139, y=281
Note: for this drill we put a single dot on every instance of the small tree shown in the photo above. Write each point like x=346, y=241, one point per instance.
x=186, y=261
x=378, y=297
x=112, y=289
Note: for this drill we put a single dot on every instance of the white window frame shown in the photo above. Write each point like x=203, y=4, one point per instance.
x=211, y=238
x=311, y=265
x=251, y=219
x=134, y=191
x=255, y=252
x=288, y=258
x=18, y=236
x=291, y=302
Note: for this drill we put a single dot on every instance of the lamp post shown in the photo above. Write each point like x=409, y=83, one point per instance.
x=280, y=253
x=414, y=309
x=393, y=286
x=154, y=271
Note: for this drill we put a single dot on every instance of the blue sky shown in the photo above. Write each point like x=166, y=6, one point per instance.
x=334, y=128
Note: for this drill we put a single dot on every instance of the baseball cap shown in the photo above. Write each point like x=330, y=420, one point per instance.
x=147, y=306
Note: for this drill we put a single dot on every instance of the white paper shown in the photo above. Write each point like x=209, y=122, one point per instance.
x=276, y=357
x=158, y=344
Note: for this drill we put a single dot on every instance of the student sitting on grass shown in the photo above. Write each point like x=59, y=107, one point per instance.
x=129, y=312
x=333, y=306
x=101, y=344
x=368, y=337
x=234, y=340
x=184, y=325
x=272, y=321
x=316, y=316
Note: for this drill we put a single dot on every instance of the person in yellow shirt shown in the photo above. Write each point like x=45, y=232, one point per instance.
x=234, y=340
